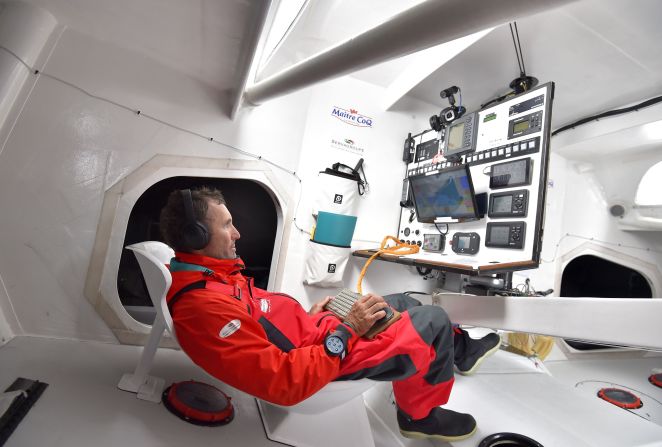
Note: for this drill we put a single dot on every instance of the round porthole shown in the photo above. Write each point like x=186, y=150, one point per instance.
x=509, y=439
x=620, y=398
x=198, y=403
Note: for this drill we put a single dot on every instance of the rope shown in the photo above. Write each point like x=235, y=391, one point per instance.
x=400, y=248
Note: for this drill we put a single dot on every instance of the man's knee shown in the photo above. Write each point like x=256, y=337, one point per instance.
x=401, y=302
x=431, y=322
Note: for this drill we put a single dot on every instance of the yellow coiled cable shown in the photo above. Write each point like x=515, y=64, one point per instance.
x=400, y=248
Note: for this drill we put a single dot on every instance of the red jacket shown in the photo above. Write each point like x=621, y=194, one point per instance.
x=262, y=343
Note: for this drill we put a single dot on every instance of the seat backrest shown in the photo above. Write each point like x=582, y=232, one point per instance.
x=152, y=257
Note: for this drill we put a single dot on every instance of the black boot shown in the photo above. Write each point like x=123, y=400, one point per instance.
x=469, y=352
x=446, y=425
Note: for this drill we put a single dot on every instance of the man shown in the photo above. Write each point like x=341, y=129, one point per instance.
x=267, y=345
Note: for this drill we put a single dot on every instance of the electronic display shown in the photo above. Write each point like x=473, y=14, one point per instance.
x=509, y=204
x=520, y=127
x=466, y=243
x=455, y=134
x=499, y=235
x=502, y=204
x=433, y=242
x=463, y=242
x=461, y=135
x=505, y=234
x=525, y=125
x=446, y=193
x=511, y=173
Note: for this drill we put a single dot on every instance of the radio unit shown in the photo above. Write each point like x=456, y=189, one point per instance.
x=466, y=243
x=505, y=234
x=508, y=204
x=525, y=125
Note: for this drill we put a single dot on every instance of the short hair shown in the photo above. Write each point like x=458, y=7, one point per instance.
x=173, y=214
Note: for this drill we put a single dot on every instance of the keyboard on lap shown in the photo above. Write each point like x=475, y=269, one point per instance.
x=342, y=303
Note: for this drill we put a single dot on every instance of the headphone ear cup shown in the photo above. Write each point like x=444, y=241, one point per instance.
x=195, y=235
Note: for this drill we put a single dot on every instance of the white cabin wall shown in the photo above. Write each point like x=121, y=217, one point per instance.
x=76, y=134
x=590, y=177
x=378, y=211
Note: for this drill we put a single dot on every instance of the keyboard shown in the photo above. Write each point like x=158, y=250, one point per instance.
x=342, y=303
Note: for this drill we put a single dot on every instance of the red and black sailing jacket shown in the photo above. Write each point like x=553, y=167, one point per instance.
x=262, y=343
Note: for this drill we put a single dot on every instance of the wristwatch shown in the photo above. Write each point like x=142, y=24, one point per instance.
x=335, y=343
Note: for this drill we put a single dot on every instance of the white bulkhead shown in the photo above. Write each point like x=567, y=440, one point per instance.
x=101, y=102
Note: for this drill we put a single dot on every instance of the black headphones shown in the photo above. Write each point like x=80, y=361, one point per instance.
x=195, y=235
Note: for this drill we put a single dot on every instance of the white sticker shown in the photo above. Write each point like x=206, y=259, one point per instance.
x=230, y=328
x=265, y=306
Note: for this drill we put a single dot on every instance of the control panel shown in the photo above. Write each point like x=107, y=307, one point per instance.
x=473, y=194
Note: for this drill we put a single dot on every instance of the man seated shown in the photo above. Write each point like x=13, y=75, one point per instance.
x=267, y=345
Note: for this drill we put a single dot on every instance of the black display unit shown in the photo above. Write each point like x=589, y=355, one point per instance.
x=511, y=173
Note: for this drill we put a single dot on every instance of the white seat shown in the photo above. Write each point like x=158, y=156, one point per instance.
x=152, y=257
x=304, y=424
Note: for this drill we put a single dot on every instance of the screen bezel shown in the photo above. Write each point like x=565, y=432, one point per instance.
x=467, y=171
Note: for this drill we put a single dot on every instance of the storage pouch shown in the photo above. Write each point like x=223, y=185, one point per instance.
x=325, y=265
x=335, y=194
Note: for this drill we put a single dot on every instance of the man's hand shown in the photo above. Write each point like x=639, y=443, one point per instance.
x=319, y=307
x=365, y=311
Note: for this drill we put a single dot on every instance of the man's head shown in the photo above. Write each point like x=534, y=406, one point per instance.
x=208, y=209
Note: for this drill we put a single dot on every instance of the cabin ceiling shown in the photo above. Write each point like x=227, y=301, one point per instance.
x=204, y=39
x=602, y=54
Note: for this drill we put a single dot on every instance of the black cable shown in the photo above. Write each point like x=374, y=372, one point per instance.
x=437, y=227
x=499, y=99
x=520, y=64
x=634, y=108
x=519, y=46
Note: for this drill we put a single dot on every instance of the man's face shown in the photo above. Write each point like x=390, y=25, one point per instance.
x=222, y=234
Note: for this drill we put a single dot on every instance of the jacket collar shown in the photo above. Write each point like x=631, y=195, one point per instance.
x=222, y=267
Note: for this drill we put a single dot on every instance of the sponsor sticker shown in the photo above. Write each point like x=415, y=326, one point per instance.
x=230, y=328
x=347, y=145
x=351, y=117
x=337, y=199
x=331, y=269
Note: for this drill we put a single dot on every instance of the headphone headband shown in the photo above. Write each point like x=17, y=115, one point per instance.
x=188, y=205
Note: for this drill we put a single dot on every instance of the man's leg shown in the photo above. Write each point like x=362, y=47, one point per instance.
x=469, y=352
x=416, y=354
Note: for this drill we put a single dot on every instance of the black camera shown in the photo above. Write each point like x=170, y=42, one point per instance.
x=449, y=114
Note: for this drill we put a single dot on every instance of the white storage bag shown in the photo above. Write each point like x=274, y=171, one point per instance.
x=335, y=194
x=325, y=264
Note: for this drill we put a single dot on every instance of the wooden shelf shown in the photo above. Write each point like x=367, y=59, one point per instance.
x=449, y=265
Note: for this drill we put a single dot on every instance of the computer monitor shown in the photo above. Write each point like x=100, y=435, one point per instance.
x=445, y=193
